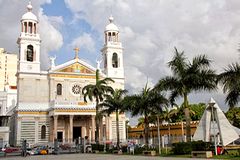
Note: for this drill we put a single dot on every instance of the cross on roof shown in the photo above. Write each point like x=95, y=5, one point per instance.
x=76, y=52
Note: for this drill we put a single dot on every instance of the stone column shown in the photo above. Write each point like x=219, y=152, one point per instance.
x=18, y=134
x=55, y=124
x=93, y=129
x=87, y=128
x=101, y=130
x=107, y=127
x=71, y=128
x=84, y=132
x=36, y=129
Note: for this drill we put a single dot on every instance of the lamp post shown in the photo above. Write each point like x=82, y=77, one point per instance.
x=159, y=140
x=104, y=134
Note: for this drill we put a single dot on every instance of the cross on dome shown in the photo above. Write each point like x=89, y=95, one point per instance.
x=29, y=6
x=111, y=19
x=76, y=52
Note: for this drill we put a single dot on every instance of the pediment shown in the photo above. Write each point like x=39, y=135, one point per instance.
x=76, y=68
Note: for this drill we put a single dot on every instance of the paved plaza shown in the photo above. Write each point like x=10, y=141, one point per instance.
x=91, y=157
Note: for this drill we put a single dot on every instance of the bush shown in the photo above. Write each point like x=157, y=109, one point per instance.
x=139, y=150
x=188, y=147
x=201, y=146
x=182, y=148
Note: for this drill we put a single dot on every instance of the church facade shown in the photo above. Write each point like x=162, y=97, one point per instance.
x=50, y=103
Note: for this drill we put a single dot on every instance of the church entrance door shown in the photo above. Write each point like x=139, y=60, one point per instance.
x=60, y=136
x=77, y=132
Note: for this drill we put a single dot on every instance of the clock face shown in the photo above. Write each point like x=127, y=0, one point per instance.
x=76, y=89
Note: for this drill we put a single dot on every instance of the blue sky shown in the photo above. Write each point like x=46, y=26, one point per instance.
x=149, y=31
x=70, y=30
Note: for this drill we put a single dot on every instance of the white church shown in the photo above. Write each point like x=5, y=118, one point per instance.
x=49, y=103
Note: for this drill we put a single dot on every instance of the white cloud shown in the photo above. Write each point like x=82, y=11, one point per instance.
x=11, y=13
x=84, y=41
x=151, y=29
x=56, y=21
x=52, y=39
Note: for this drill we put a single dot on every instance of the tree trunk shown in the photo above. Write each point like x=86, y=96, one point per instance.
x=117, y=127
x=97, y=119
x=169, y=135
x=182, y=131
x=188, y=118
x=159, y=136
x=146, y=130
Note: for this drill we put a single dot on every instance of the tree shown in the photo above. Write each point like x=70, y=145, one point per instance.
x=167, y=116
x=97, y=92
x=151, y=120
x=195, y=110
x=233, y=115
x=188, y=77
x=140, y=122
x=231, y=83
x=158, y=114
x=114, y=103
x=143, y=104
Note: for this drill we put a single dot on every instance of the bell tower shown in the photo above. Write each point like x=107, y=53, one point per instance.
x=112, y=52
x=29, y=43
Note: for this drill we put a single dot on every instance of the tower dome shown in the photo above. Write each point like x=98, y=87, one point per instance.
x=111, y=26
x=29, y=15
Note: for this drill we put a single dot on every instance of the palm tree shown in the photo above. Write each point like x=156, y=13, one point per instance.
x=157, y=113
x=231, y=84
x=114, y=103
x=188, y=77
x=97, y=92
x=167, y=116
x=140, y=122
x=143, y=104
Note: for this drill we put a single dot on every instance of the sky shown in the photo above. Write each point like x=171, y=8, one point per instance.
x=149, y=31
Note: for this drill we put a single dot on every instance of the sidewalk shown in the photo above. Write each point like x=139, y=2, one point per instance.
x=92, y=157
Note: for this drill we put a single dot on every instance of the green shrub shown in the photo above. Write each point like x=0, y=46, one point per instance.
x=188, y=147
x=139, y=150
x=182, y=148
x=201, y=146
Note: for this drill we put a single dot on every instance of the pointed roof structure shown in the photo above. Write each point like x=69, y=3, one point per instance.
x=214, y=123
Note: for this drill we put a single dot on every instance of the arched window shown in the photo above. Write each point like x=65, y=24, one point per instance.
x=115, y=60
x=30, y=53
x=109, y=36
x=25, y=27
x=35, y=28
x=105, y=61
x=43, y=132
x=30, y=27
x=114, y=37
x=59, y=89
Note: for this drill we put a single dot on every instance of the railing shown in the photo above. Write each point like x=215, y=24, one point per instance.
x=114, y=43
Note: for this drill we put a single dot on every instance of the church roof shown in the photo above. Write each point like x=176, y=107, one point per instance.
x=111, y=26
x=29, y=15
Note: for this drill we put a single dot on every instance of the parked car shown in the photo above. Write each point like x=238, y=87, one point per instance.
x=11, y=149
x=30, y=151
x=40, y=150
